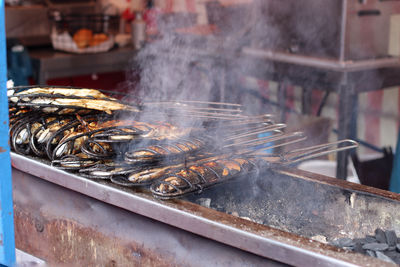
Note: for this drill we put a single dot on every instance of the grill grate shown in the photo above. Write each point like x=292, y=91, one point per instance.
x=174, y=159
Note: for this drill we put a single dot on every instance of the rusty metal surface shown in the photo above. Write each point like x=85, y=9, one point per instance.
x=245, y=235
x=68, y=228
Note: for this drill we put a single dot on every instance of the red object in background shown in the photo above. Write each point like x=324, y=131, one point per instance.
x=105, y=81
x=113, y=81
x=150, y=16
x=128, y=15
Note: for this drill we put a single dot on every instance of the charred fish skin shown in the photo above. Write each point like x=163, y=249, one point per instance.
x=22, y=130
x=156, y=170
x=42, y=134
x=74, y=162
x=81, y=138
x=72, y=130
x=177, y=149
x=102, y=170
x=67, y=100
x=199, y=176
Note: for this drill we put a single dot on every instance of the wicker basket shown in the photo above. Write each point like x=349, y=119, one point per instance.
x=81, y=33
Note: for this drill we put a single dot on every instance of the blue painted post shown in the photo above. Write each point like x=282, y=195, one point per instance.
x=7, y=241
x=395, y=179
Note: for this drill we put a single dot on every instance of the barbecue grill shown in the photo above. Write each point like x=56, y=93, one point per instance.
x=257, y=216
x=279, y=212
x=271, y=217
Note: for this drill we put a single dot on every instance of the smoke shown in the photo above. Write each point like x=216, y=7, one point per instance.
x=182, y=65
x=192, y=66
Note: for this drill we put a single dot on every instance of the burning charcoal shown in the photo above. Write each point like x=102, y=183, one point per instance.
x=391, y=238
x=380, y=235
x=376, y=246
x=358, y=248
x=371, y=253
x=383, y=257
x=345, y=242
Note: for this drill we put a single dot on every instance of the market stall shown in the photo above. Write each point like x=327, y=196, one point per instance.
x=187, y=166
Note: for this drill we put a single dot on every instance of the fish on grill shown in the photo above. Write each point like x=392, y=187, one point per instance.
x=96, y=135
x=70, y=138
x=198, y=176
x=150, y=173
x=147, y=164
x=175, y=149
x=74, y=162
x=15, y=113
x=64, y=91
x=22, y=131
x=102, y=170
x=126, y=130
x=42, y=135
x=111, y=141
x=81, y=130
x=66, y=100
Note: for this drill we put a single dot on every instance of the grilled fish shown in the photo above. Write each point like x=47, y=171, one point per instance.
x=83, y=92
x=74, y=162
x=201, y=175
x=173, y=149
x=51, y=98
x=21, y=132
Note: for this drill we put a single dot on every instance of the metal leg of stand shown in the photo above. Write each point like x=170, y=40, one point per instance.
x=282, y=100
x=7, y=241
x=306, y=101
x=347, y=126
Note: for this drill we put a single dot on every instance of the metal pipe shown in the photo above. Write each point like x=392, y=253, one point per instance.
x=7, y=242
x=343, y=32
x=322, y=63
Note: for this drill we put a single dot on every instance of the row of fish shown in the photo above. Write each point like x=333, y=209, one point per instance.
x=98, y=137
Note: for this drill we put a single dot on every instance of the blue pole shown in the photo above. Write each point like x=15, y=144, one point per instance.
x=7, y=241
x=395, y=179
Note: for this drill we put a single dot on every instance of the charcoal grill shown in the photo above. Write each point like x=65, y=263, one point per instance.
x=263, y=234
x=71, y=218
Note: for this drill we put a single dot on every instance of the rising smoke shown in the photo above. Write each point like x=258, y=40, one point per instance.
x=189, y=66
